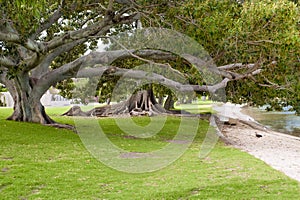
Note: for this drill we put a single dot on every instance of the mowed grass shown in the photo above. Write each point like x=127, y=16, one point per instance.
x=40, y=162
x=197, y=107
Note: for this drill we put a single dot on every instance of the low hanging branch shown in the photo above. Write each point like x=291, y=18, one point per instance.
x=144, y=102
x=95, y=64
x=34, y=56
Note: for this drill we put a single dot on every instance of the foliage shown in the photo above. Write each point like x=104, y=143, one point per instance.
x=235, y=32
x=27, y=14
x=66, y=88
x=273, y=35
x=2, y=88
x=39, y=162
x=246, y=32
x=46, y=42
x=42, y=41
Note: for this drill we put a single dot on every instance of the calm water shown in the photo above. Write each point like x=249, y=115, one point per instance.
x=284, y=122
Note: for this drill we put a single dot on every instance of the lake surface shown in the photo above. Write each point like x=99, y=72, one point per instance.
x=284, y=122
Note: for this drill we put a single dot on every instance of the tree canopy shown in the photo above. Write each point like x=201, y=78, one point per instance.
x=254, y=44
x=245, y=32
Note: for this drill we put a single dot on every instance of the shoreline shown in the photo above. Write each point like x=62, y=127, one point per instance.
x=279, y=150
x=287, y=128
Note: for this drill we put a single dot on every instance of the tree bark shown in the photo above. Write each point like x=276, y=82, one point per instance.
x=141, y=103
x=30, y=112
x=161, y=99
x=169, y=104
x=27, y=105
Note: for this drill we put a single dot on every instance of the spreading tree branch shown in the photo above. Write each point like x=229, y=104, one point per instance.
x=44, y=66
x=96, y=58
x=48, y=23
x=96, y=63
x=236, y=66
x=9, y=34
x=6, y=62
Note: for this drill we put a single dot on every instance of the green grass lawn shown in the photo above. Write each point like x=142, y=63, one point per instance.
x=197, y=107
x=40, y=162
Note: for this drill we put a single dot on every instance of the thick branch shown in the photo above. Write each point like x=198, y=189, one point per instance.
x=97, y=70
x=97, y=58
x=97, y=29
x=139, y=75
x=51, y=78
x=43, y=67
x=206, y=67
x=95, y=63
x=47, y=24
x=222, y=70
x=15, y=38
x=236, y=66
x=157, y=78
x=9, y=34
x=9, y=37
x=6, y=62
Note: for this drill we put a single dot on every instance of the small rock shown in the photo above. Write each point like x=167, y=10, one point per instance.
x=258, y=135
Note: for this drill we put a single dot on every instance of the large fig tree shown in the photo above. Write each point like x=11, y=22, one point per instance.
x=42, y=43
x=45, y=42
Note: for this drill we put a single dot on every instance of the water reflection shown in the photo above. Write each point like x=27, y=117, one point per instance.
x=285, y=122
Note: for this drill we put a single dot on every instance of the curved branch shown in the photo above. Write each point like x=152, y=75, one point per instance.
x=9, y=34
x=96, y=63
x=96, y=59
x=236, y=66
x=100, y=27
x=43, y=67
x=9, y=37
x=153, y=77
x=16, y=39
x=6, y=62
x=48, y=23
x=96, y=29
x=207, y=67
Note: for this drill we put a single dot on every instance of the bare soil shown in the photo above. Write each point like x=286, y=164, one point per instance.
x=278, y=150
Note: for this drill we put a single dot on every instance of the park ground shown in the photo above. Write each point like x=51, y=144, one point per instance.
x=40, y=162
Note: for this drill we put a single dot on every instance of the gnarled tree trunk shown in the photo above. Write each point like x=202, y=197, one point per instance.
x=27, y=105
x=29, y=110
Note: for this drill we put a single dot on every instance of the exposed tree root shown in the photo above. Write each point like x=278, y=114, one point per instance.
x=143, y=103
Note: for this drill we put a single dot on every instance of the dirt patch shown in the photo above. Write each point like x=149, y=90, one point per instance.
x=5, y=169
x=7, y=158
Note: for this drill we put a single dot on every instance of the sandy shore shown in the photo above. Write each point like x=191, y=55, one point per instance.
x=280, y=151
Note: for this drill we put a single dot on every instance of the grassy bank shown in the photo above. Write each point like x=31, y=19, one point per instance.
x=39, y=162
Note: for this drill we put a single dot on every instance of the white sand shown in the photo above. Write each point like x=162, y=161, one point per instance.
x=280, y=151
